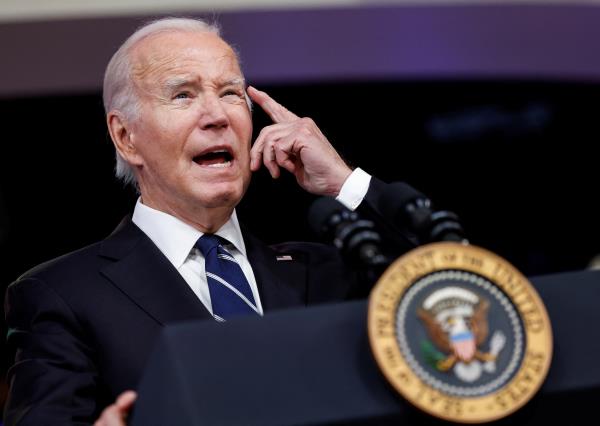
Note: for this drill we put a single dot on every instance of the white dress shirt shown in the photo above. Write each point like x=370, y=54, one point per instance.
x=354, y=189
x=176, y=239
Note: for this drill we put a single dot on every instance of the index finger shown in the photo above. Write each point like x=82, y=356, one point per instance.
x=277, y=112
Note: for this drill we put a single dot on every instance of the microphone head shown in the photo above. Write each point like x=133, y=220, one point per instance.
x=357, y=239
x=320, y=215
x=396, y=197
x=406, y=206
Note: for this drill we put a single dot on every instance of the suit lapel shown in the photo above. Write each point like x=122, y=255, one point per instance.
x=281, y=283
x=146, y=276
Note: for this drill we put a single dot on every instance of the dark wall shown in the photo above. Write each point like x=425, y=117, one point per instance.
x=513, y=159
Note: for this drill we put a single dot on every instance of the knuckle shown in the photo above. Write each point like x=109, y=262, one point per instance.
x=261, y=134
x=266, y=131
x=305, y=126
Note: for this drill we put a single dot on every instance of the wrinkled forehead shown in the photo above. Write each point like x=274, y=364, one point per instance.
x=161, y=55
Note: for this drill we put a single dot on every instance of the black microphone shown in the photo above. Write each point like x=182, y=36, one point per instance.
x=410, y=209
x=356, y=238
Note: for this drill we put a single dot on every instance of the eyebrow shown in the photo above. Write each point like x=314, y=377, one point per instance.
x=175, y=83
x=235, y=82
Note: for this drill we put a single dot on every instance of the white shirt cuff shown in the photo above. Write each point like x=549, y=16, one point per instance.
x=354, y=189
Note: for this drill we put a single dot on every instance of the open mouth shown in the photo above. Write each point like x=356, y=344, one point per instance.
x=216, y=159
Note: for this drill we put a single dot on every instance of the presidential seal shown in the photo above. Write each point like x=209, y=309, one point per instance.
x=459, y=332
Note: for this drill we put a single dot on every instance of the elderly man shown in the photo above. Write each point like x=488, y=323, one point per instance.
x=179, y=116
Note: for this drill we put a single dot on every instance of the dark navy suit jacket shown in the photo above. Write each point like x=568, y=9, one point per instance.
x=84, y=324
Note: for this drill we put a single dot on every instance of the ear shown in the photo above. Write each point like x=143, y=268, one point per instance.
x=122, y=135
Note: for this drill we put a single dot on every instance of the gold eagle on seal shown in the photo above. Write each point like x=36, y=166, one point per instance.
x=456, y=321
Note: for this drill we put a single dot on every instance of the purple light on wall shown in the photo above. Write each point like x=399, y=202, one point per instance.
x=440, y=42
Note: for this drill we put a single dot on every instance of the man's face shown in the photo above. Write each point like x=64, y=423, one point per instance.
x=192, y=138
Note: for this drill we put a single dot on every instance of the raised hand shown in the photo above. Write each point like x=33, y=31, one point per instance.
x=297, y=145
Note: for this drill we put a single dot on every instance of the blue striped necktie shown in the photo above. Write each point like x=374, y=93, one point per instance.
x=230, y=293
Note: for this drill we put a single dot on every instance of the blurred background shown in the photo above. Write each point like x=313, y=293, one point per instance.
x=488, y=107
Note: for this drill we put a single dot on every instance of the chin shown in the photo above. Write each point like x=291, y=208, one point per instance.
x=221, y=195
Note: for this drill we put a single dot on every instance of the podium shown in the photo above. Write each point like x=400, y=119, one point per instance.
x=313, y=366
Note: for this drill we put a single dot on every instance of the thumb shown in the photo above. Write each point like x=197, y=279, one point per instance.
x=126, y=400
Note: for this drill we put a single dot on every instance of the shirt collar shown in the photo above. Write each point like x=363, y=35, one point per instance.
x=175, y=238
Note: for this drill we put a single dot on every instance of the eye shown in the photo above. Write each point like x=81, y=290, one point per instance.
x=231, y=93
x=183, y=95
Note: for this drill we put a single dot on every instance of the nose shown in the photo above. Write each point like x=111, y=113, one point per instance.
x=213, y=115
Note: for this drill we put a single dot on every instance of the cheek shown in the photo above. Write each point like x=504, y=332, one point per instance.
x=165, y=139
x=241, y=121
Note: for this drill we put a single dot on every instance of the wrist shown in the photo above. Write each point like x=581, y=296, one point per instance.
x=338, y=183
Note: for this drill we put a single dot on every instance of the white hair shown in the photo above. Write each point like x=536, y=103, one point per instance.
x=119, y=91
